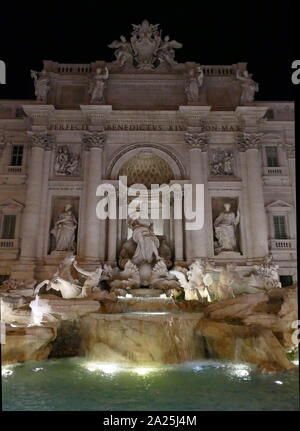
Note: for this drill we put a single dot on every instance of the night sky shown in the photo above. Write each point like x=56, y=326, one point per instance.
x=212, y=32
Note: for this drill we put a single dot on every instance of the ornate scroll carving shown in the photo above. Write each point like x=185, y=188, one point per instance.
x=94, y=139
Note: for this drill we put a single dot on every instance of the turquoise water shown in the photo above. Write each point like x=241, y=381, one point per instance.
x=78, y=385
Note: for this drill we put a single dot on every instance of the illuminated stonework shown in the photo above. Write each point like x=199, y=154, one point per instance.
x=147, y=168
x=157, y=121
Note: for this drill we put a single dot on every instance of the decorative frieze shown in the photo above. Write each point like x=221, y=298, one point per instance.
x=94, y=139
x=67, y=163
x=221, y=162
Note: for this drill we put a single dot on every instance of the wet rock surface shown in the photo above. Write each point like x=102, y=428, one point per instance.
x=256, y=328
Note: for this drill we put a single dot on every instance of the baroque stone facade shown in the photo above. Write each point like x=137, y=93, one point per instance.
x=148, y=117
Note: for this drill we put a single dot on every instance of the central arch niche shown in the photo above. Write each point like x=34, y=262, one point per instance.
x=147, y=164
x=146, y=168
x=125, y=154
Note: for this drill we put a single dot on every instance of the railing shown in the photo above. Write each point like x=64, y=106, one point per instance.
x=275, y=171
x=215, y=70
x=8, y=244
x=282, y=244
x=14, y=169
x=74, y=68
x=218, y=70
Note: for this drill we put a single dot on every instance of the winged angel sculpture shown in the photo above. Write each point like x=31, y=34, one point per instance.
x=146, y=50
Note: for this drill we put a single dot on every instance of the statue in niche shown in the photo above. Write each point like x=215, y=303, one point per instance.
x=64, y=230
x=41, y=84
x=123, y=51
x=147, y=242
x=97, y=85
x=193, y=83
x=222, y=163
x=249, y=87
x=67, y=163
x=166, y=51
x=225, y=226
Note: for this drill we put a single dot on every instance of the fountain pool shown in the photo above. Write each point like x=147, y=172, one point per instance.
x=77, y=384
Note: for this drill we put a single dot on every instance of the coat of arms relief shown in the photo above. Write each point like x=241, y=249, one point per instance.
x=146, y=49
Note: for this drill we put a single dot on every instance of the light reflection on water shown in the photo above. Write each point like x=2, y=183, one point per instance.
x=81, y=384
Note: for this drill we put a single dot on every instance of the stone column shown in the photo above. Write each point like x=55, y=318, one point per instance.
x=178, y=240
x=44, y=200
x=2, y=147
x=250, y=143
x=112, y=240
x=289, y=147
x=197, y=143
x=94, y=142
x=31, y=217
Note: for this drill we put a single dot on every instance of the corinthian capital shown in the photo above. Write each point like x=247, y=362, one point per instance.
x=196, y=140
x=41, y=139
x=94, y=139
x=248, y=141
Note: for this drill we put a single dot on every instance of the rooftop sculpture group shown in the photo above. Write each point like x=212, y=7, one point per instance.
x=146, y=49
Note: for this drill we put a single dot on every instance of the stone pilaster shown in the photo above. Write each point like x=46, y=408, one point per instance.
x=289, y=147
x=112, y=240
x=94, y=143
x=250, y=144
x=40, y=141
x=197, y=144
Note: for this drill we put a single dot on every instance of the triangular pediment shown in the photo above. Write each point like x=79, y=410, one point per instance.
x=11, y=203
x=279, y=204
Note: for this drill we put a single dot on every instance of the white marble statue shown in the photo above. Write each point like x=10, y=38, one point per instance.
x=265, y=275
x=129, y=278
x=161, y=278
x=147, y=242
x=92, y=279
x=196, y=285
x=66, y=163
x=228, y=279
x=41, y=84
x=249, y=87
x=97, y=85
x=193, y=83
x=225, y=226
x=123, y=51
x=64, y=230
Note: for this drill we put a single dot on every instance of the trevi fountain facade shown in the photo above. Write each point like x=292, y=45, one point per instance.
x=133, y=289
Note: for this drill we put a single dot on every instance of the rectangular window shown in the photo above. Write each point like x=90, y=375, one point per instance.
x=17, y=155
x=286, y=280
x=280, y=227
x=8, y=227
x=272, y=156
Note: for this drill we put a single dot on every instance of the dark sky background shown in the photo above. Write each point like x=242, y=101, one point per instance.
x=212, y=32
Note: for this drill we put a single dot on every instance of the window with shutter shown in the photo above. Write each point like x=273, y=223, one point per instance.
x=280, y=227
x=8, y=226
x=272, y=156
x=17, y=155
